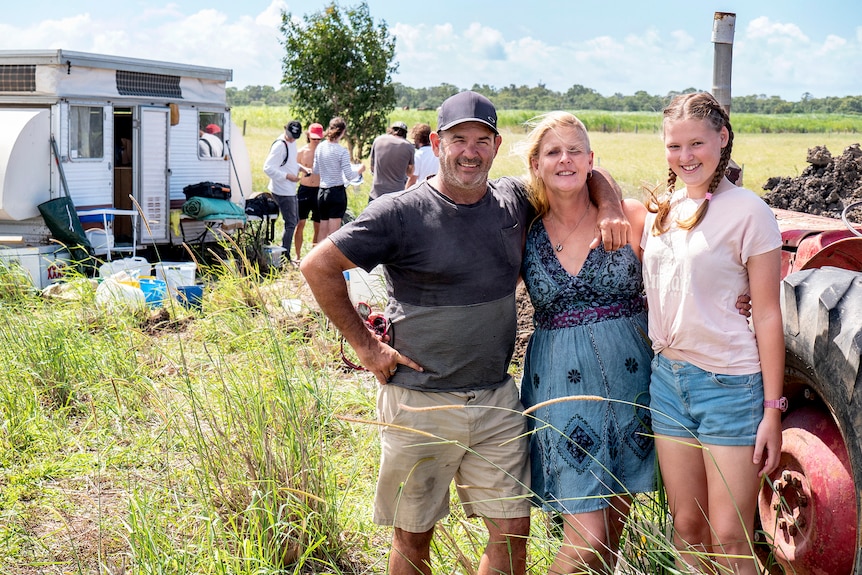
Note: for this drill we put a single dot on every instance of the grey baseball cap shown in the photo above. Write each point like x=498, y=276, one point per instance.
x=466, y=107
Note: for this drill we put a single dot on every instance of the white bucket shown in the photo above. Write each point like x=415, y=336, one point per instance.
x=176, y=273
x=274, y=255
x=100, y=239
x=135, y=267
x=367, y=287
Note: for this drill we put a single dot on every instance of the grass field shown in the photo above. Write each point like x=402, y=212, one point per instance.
x=633, y=157
x=232, y=440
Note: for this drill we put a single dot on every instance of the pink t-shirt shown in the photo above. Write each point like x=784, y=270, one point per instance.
x=694, y=277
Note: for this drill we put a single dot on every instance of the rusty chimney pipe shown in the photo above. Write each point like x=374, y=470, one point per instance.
x=723, y=26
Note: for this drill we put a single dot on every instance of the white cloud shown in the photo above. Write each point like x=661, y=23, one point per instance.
x=48, y=34
x=774, y=32
x=248, y=45
x=774, y=58
x=833, y=44
x=770, y=57
x=486, y=43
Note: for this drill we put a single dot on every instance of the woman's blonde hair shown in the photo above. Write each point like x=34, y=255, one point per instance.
x=529, y=148
x=696, y=106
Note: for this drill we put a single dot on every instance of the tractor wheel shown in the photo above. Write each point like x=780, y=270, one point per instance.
x=810, y=508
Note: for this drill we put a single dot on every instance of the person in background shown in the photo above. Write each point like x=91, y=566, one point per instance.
x=332, y=164
x=425, y=163
x=282, y=167
x=210, y=144
x=588, y=457
x=309, y=186
x=715, y=388
x=391, y=161
x=451, y=251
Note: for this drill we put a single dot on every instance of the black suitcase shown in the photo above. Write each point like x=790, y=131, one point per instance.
x=207, y=190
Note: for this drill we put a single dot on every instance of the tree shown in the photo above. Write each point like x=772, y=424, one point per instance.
x=340, y=63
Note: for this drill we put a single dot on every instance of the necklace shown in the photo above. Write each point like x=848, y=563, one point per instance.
x=559, y=246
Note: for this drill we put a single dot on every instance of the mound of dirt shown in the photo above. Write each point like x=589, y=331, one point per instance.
x=824, y=188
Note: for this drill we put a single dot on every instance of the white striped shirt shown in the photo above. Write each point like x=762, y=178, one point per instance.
x=332, y=162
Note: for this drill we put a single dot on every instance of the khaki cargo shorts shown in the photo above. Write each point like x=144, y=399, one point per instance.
x=477, y=438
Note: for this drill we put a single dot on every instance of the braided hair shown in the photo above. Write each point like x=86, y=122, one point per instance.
x=696, y=106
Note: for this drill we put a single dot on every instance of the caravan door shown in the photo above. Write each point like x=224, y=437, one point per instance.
x=154, y=174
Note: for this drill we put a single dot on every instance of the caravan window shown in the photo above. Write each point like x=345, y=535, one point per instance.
x=211, y=135
x=87, y=133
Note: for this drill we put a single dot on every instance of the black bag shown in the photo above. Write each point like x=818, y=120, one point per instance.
x=260, y=206
x=207, y=190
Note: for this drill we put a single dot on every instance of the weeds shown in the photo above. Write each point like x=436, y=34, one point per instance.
x=219, y=442
x=233, y=445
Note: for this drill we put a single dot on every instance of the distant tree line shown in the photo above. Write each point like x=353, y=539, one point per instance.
x=575, y=98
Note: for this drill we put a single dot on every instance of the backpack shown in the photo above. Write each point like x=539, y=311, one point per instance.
x=207, y=190
x=261, y=205
x=286, y=151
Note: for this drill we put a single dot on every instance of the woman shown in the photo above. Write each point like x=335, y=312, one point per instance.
x=716, y=437
x=332, y=162
x=589, y=456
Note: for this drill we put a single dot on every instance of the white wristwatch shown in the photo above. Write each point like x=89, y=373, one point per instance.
x=780, y=403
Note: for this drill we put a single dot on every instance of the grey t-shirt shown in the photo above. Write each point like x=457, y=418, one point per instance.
x=390, y=156
x=451, y=272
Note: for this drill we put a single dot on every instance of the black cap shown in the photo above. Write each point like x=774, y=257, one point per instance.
x=467, y=107
x=294, y=128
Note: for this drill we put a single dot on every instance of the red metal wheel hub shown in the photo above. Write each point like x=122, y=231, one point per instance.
x=809, y=509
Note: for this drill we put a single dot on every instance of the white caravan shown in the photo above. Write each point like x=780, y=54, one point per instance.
x=130, y=133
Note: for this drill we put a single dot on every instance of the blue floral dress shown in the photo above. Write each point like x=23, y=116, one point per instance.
x=590, y=339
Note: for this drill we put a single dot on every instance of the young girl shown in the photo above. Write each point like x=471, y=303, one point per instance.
x=332, y=163
x=703, y=245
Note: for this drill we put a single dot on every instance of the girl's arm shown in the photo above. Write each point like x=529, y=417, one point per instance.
x=347, y=170
x=764, y=276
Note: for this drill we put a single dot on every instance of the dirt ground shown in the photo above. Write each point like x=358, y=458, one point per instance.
x=824, y=188
x=525, y=323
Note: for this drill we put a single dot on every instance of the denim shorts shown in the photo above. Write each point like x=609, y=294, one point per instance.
x=715, y=409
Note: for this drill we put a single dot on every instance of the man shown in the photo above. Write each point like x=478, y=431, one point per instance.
x=451, y=251
x=391, y=161
x=209, y=143
x=282, y=167
x=309, y=185
x=425, y=163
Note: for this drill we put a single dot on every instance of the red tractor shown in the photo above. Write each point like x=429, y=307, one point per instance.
x=810, y=507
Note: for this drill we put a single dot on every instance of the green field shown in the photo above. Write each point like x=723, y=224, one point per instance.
x=233, y=440
x=627, y=144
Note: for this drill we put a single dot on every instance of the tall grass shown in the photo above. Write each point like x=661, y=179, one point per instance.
x=225, y=441
x=176, y=442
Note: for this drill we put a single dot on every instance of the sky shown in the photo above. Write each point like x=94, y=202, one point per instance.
x=783, y=48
